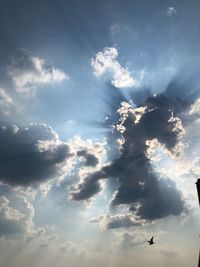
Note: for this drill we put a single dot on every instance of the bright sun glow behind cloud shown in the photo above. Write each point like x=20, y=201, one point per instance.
x=99, y=133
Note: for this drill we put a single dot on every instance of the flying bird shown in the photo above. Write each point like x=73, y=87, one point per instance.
x=151, y=241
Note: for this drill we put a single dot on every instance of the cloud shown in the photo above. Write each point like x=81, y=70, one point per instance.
x=139, y=184
x=89, y=187
x=195, y=108
x=116, y=221
x=87, y=163
x=134, y=239
x=9, y=218
x=4, y=97
x=149, y=195
x=107, y=61
x=90, y=159
x=171, y=11
x=16, y=215
x=30, y=155
x=71, y=123
x=5, y=101
x=28, y=72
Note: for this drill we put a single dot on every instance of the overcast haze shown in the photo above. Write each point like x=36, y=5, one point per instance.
x=99, y=133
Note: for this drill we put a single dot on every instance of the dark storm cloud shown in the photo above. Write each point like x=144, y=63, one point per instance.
x=30, y=155
x=160, y=199
x=116, y=221
x=89, y=187
x=149, y=195
x=157, y=197
x=121, y=221
x=90, y=159
x=155, y=123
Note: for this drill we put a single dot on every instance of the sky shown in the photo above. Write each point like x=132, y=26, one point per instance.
x=99, y=133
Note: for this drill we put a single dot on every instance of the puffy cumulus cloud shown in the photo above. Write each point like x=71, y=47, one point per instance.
x=9, y=218
x=30, y=155
x=28, y=72
x=87, y=148
x=107, y=61
x=16, y=215
x=171, y=11
x=149, y=195
x=116, y=221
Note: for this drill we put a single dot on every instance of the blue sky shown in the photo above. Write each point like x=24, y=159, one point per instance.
x=99, y=133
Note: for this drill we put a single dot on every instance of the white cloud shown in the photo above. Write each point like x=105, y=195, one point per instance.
x=71, y=123
x=134, y=238
x=107, y=61
x=16, y=220
x=9, y=212
x=195, y=108
x=5, y=101
x=171, y=11
x=27, y=72
x=96, y=148
x=4, y=97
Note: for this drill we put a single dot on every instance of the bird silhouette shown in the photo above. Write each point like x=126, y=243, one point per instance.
x=151, y=241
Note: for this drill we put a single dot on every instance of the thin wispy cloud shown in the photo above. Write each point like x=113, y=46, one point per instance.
x=5, y=102
x=171, y=11
x=4, y=97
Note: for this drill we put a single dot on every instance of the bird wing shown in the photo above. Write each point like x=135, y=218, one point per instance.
x=151, y=240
